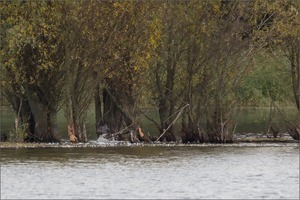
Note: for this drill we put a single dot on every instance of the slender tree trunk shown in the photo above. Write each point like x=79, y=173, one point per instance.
x=52, y=126
x=298, y=68
x=98, y=110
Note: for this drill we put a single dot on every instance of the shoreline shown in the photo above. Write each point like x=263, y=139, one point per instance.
x=243, y=142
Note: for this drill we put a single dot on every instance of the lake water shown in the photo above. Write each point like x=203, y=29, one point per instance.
x=194, y=172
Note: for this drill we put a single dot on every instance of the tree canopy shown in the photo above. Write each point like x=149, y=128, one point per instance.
x=207, y=57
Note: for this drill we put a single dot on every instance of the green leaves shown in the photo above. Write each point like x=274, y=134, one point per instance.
x=137, y=48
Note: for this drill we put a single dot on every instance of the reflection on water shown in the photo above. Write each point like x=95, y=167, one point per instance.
x=256, y=120
x=151, y=172
x=249, y=119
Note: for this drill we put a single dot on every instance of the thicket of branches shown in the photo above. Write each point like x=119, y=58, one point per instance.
x=187, y=57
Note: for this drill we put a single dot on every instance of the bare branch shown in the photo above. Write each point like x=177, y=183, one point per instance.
x=181, y=110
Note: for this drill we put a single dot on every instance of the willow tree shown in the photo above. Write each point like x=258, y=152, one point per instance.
x=87, y=31
x=31, y=66
x=119, y=92
x=219, y=52
x=285, y=31
x=198, y=72
x=80, y=55
x=167, y=37
x=286, y=28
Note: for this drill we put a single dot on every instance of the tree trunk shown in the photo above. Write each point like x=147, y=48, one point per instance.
x=190, y=130
x=46, y=129
x=294, y=131
x=52, y=126
x=98, y=110
x=115, y=116
x=165, y=121
x=36, y=122
x=166, y=103
x=294, y=57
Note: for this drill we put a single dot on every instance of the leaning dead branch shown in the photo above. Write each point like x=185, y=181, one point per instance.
x=165, y=130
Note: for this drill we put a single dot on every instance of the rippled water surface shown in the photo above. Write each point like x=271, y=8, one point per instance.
x=151, y=172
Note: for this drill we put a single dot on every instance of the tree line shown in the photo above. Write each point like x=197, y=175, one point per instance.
x=186, y=58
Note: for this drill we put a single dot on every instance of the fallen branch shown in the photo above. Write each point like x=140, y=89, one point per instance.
x=113, y=135
x=165, y=130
